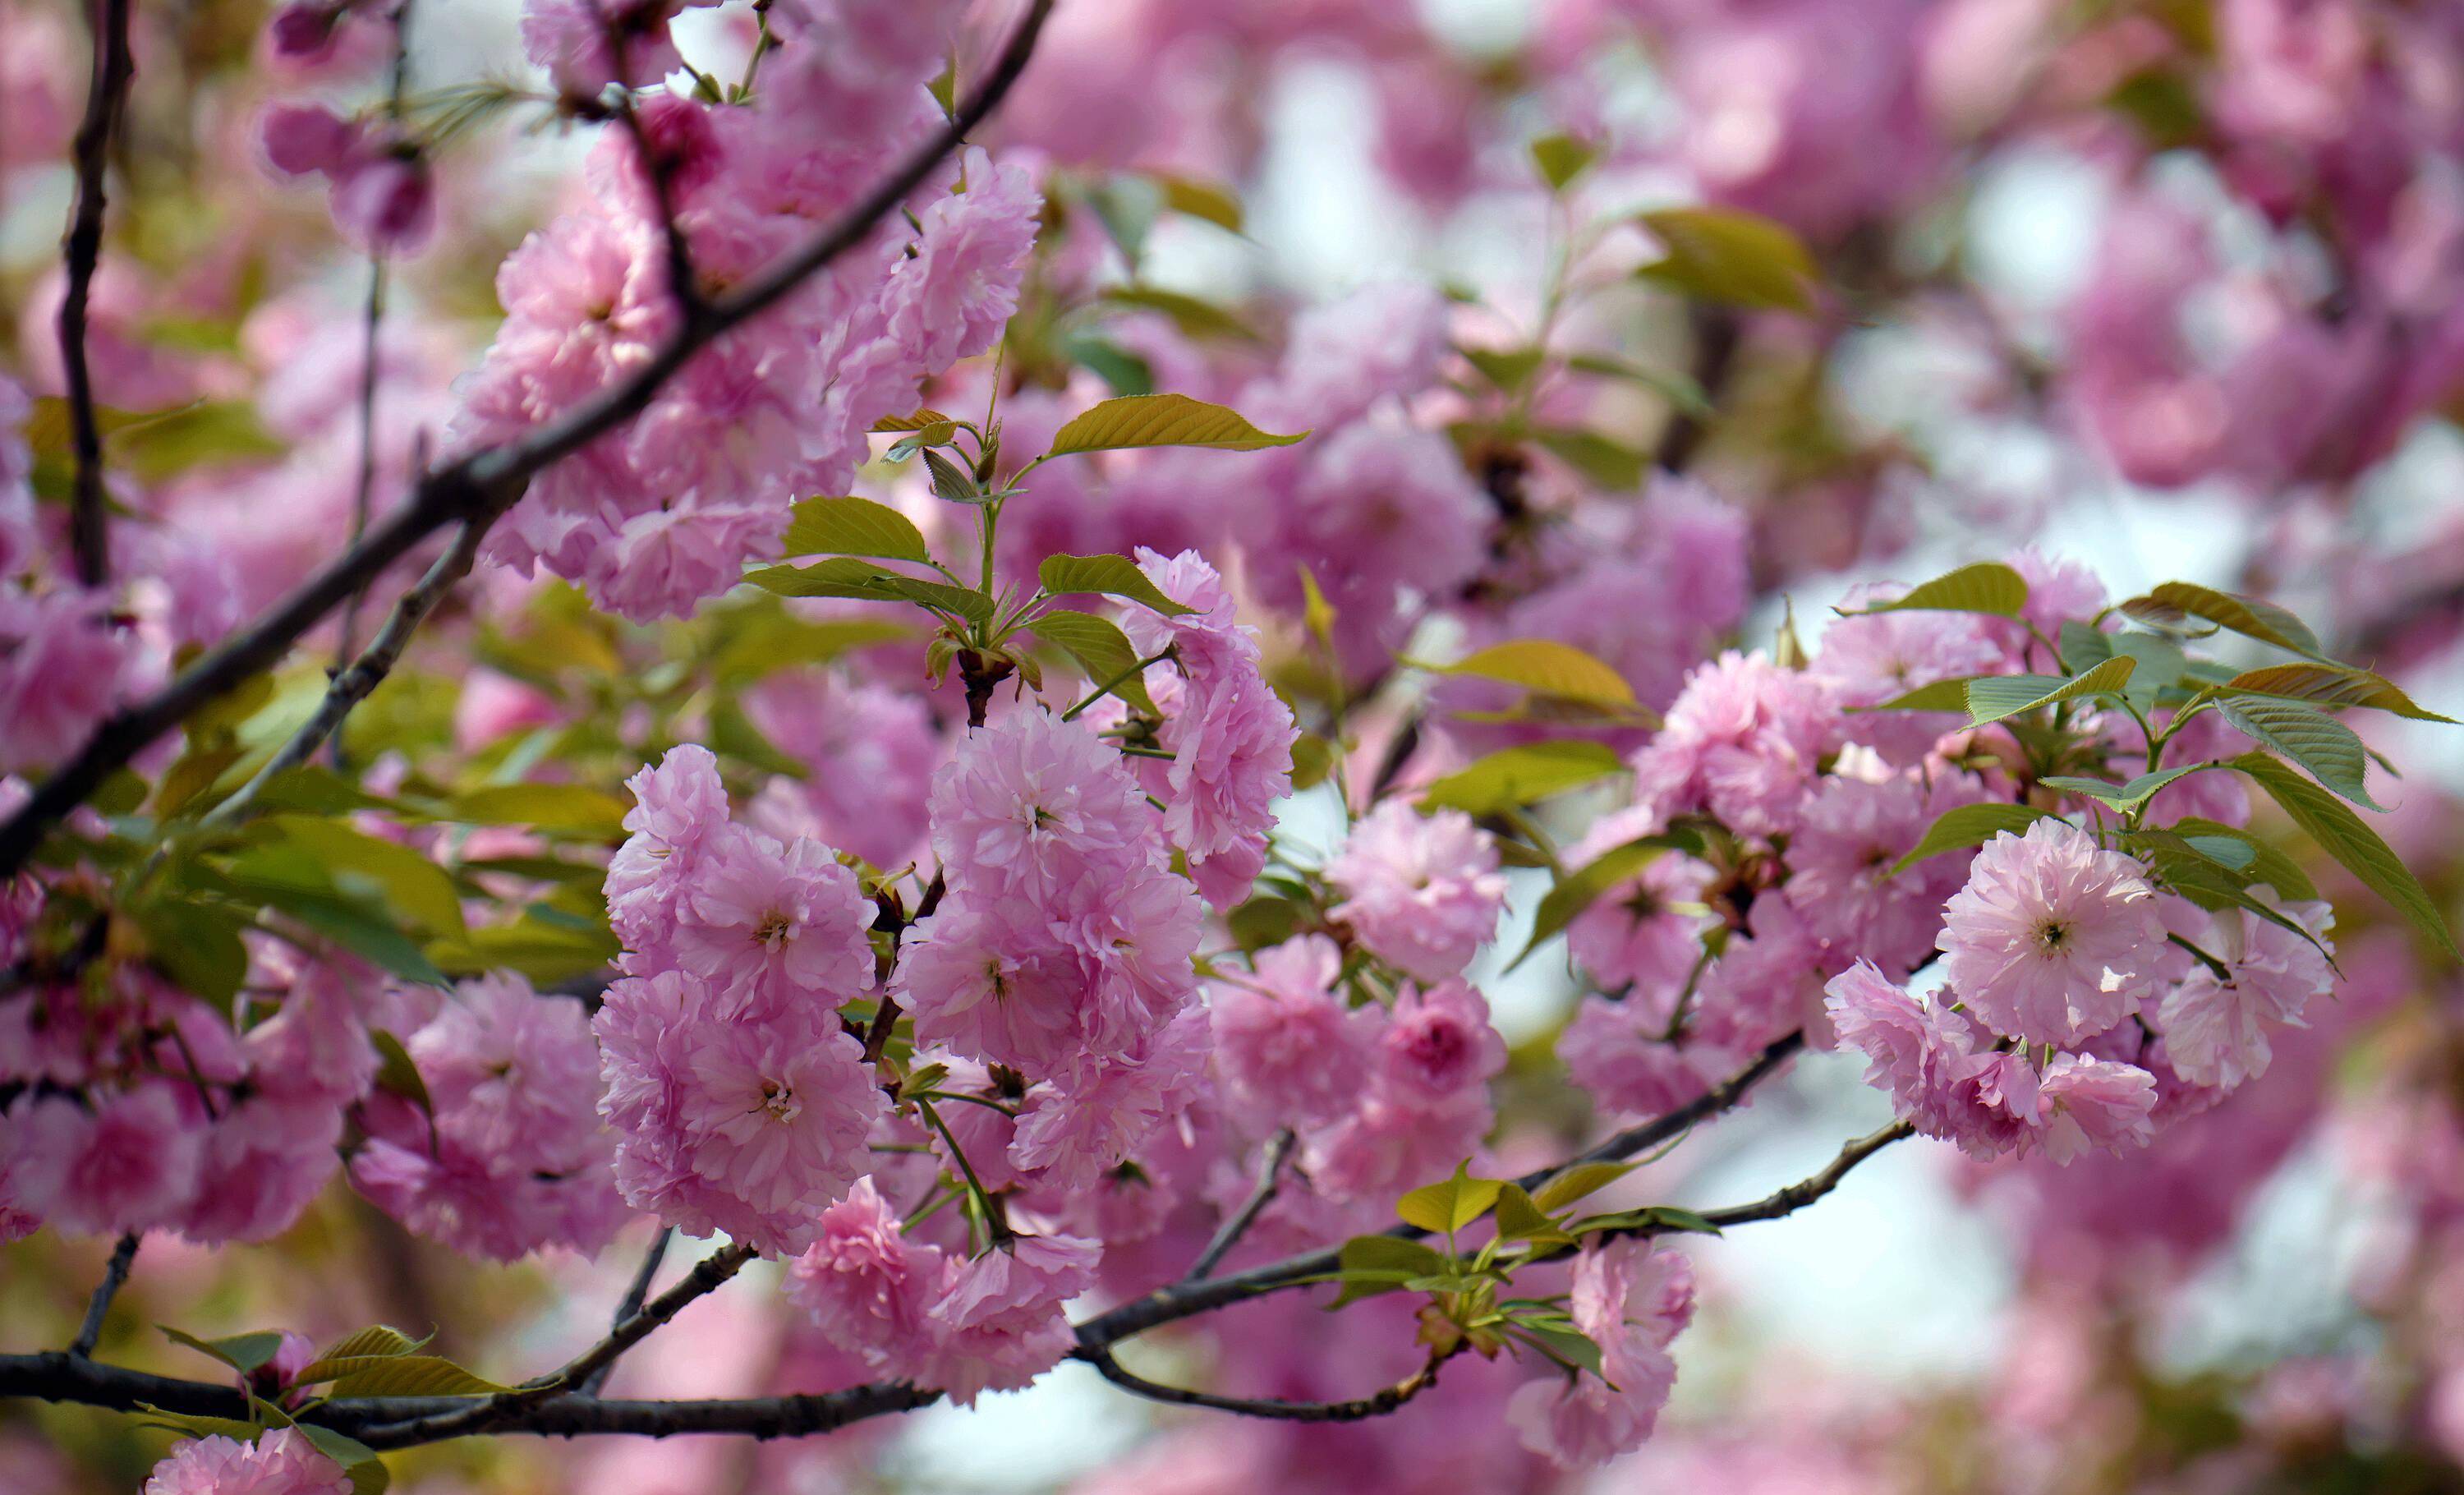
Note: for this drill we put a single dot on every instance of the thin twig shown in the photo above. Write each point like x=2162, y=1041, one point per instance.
x=478, y=488
x=1270, y=1179
x=1273, y=1407
x=115, y=1274
x=480, y=1415
x=636, y=1293
x=106, y=99
x=1797, y=1196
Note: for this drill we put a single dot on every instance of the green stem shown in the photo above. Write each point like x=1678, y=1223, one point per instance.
x=1114, y=683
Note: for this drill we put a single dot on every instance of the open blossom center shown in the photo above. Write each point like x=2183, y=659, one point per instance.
x=778, y=1099
x=774, y=931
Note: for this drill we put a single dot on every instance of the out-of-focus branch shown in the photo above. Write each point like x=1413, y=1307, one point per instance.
x=115, y=1276
x=475, y=489
x=1270, y=1179
x=636, y=1293
x=106, y=100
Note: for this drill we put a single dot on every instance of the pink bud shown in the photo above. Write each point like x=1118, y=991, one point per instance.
x=384, y=200
x=301, y=139
x=304, y=32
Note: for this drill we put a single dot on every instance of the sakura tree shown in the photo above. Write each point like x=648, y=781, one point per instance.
x=731, y=724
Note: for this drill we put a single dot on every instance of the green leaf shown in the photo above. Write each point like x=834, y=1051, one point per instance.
x=2311, y=739
x=844, y=576
x=574, y=808
x=242, y=1353
x=1100, y=647
x=1113, y=576
x=1988, y=586
x=1580, y=1182
x=853, y=527
x=1680, y=388
x=360, y=931
x=1374, y=1264
x=1312, y=761
x=377, y=1339
x=1561, y=158
x=923, y=418
x=1211, y=201
x=1547, y=667
x=411, y=884
x=2194, y=868
x=1520, y=1219
x=368, y=1472
x=1993, y=699
x=398, y=1075
x=2125, y=798
x=951, y=482
x=1942, y=695
x=1721, y=254
x=2342, y=834
x=189, y=1424
x=2331, y=684
x=1510, y=369
x=1525, y=773
x=2246, y=616
x=1450, y=1203
x=1193, y=316
x=1609, y=464
x=544, y=952
x=2083, y=644
x=1122, y=371
x=401, y=1376
x=197, y=945
x=2267, y=862
x=1568, y=1347
x=1578, y=890
x=1162, y=420
x=1968, y=826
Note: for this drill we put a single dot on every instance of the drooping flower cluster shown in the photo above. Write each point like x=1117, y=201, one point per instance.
x=279, y=1462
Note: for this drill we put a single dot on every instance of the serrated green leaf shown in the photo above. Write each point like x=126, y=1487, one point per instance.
x=2343, y=835
x=953, y=483
x=1546, y=667
x=2246, y=616
x=189, y=1424
x=2331, y=684
x=377, y=1339
x=1581, y=888
x=1942, y=695
x=1102, y=650
x=1162, y=420
x=1567, y=1346
x=2128, y=797
x=1370, y=1265
x=1722, y=255
x=1580, y=1182
x=853, y=527
x=1450, y=1203
x=242, y=1353
x=2310, y=738
x=923, y=418
x=1988, y=586
x=1113, y=576
x=1968, y=826
x=1521, y=775
x=1520, y=1219
x=1993, y=699
x=2267, y=863
x=402, y=1375
x=411, y=884
x=2189, y=870
x=845, y=576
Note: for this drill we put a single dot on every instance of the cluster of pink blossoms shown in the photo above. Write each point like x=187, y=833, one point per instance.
x=662, y=514
x=281, y=1462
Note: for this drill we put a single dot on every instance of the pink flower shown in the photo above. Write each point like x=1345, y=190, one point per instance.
x=127, y=1164
x=1622, y=1056
x=1633, y=1302
x=1381, y=510
x=1030, y=803
x=1743, y=744
x=953, y=297
x=279, y=1462
x=63, y=668
x=868, y=1287
x=2215, y=1029
x=1840, y=859
x=1871, y=657
x=1285, y=1039
x=745, y=1122
x=998, y=1320
x=1638, y=934
x=774, y=922
x=579, y=42
x=304, y=139
x=871, y=751
x=1087, y=1122
x=680, y=807
x=1422, y=893
x=265, y=1158
x=2091, y=1104
x=1438, y=1043
x=1230, y=735
x=1926, y=1059
x=513, y=1074
x=1395, y=1141
x=1380, y=342
x=2051, y=940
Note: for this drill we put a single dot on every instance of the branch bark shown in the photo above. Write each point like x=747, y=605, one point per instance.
x=106, y=100
x=478, y=488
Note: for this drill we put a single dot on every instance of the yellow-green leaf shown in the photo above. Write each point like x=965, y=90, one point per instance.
x=1113, y=576
x=1547, y=667
x=1162, y=420
x=1102, y=650
x=1521, y=775
x=853, y=527
x=1722, y=255
x=1992, y=698
x=1968, y=826
x=1988, y=586
x=2344, y=836
x=1450, y=1203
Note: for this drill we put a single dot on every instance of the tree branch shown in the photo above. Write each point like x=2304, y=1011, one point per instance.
x=478, y=488
x=1797, y=1196
x=630, y=1305
x=106, y=99
x=545, y=1409
x=115, y=1275
x=1275, y=1408
x=1270, y=1179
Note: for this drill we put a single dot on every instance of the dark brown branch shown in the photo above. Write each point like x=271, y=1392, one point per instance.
x=1270, y=1179
x=636, y=1293
x=478, y=488
x=106, y=101
x=489, y=1413
x=115, y=1275
x=1275, y=1408
x=1797, y=1196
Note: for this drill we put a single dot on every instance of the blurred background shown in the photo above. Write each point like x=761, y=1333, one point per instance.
x=2169, y=287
